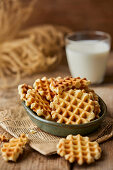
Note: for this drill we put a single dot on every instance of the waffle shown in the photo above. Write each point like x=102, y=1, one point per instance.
x=12, y=149
x=38, y=104
x=72, y=107
x=22, y=90
x=93, y=96
x=79, y=149
x=3, y=138
x=60, y=85
x=43, y=87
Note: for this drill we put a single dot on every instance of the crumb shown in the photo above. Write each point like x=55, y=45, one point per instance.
x=33, y=131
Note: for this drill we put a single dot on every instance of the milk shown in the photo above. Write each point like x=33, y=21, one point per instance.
x=88, y=58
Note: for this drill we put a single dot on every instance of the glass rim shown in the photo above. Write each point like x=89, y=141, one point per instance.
x=100, y=33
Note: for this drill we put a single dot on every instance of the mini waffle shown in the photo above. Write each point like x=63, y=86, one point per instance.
x=62, y=84
x=12, y=149
x=43, y=87
x=72, y=107
x=79, y=149
x=22, y=90
x=38, y=104
x=3, y=138
x=93, y=96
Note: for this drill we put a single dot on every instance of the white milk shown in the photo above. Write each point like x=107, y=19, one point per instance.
x=88, y=58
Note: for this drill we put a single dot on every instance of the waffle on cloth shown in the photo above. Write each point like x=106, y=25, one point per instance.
x=73, y=107
x=12, y=149
x=43, y=87
x=79, y=149
x=38, y=104
x=62, y=84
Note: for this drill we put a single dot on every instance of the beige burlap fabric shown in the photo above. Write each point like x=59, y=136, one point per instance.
x=14, y=119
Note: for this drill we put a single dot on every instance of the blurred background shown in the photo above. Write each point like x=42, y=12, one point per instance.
x=32, y=33
x=75, y=14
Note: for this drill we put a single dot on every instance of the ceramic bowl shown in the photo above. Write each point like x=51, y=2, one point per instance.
x=60, y=129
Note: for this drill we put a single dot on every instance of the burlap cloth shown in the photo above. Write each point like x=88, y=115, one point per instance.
x=14, y=119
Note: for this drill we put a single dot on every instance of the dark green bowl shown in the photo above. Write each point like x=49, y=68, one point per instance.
x=60, y=129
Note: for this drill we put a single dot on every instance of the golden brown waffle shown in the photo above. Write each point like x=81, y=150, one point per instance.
x=72, y=107
x=94, y=97
x=62, y=84
x=12, y=149
x=24, y=138
x=96, y=109
x=22, y=90
x=38, y=104
x=43, y=87
x=3, y=138
x=79, y=149
x=91, y=92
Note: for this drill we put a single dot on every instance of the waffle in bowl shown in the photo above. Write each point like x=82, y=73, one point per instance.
x=22, y=90
x=72, y=111
x=63, y=84
x=75, y=102
x=43, y=87
x=12, y=149
x=38, y=104
x=72, y=107
x=93, y=96
x=79, y=149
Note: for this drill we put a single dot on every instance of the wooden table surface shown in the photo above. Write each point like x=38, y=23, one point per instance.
x=32, y=160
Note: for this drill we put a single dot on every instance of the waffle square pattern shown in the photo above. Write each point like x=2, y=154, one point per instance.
x=62, y=84
x=22, y=90
x=43, y=87
x=72, y=107
x=38, y=104
x=64, y=100
x=79, y=149
x=12, y=149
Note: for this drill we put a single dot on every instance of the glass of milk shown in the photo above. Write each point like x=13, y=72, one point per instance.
x=87, y=53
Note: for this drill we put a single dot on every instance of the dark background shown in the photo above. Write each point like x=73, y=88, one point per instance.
x=76, y=14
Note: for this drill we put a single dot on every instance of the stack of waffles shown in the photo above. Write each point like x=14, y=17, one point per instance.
x=63, y=100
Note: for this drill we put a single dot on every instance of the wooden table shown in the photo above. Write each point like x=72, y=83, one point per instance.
x=32, y=160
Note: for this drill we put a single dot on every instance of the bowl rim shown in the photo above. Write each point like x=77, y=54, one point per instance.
x=50, y=122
